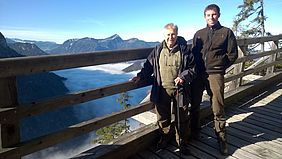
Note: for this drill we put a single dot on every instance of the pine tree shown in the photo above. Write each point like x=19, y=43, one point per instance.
x=108, y=133
x=253, y=11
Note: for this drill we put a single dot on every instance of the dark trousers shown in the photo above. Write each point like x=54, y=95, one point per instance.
x=197, y=86
x=214, y=85
x=167, y=116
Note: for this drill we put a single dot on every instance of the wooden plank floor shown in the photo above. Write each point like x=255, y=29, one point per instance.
x=254, y=129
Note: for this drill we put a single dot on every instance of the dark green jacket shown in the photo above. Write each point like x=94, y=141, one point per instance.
x=216, y=52
x=151, y=67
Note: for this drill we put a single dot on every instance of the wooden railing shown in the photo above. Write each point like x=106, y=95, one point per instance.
x=11, y=113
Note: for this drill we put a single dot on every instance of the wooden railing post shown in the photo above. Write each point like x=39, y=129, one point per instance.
x=274, y=46
x=238, y=68
x=10, y=133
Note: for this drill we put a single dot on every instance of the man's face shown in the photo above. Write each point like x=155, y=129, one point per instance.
x=211, y=17
x=170, y=37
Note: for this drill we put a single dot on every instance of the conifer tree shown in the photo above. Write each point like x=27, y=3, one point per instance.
x=249, y=22
x=113, y=131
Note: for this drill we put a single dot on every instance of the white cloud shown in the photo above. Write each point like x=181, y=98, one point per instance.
x=110, y=68
x=33, y=34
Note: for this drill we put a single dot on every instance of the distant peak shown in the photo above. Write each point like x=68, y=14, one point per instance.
x=133, y=39
x=3, y=40
x=115, y=36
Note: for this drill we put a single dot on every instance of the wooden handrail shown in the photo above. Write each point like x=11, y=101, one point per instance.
x=35, y=64
x=71, y=132
x=250, y=71
x=248, y=41
x=12, y=114
x=258, y=55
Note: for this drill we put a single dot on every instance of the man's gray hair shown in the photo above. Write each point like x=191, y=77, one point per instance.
x=171, y=26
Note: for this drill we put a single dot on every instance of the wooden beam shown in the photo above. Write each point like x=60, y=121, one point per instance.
x=44, y=63
x=248, y=41
x=258, y=55
x=71, y=132
x=125, y=146
x=274, y=46
x=243, y=91
x=250, y=71
x=239, y=67
x=10, y=133
x=15, y=112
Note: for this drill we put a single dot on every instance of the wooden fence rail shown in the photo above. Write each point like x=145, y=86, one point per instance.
x=11, y=113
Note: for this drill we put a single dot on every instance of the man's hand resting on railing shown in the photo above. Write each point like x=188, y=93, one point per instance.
x=135, y=79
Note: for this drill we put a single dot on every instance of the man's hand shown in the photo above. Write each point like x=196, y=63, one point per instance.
x=136, y=79
x=178, y=81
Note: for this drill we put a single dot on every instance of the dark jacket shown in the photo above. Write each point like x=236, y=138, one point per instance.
x=215, y=49
x=151, y=67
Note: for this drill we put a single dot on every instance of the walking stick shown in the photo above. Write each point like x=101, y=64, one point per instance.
x=178, y=91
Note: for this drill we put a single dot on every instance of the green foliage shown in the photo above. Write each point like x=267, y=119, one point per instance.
x=108, y=133
x=249, y=22
x=248, y=63
x=123, y=99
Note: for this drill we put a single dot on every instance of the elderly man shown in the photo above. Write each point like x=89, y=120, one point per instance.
x=171, y=64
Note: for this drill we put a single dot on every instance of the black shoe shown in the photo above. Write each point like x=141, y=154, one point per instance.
x=195, y=135
x=222, y=143
x=163, y=142
x=184, y=150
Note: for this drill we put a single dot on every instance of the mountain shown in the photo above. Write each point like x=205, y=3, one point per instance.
x=5, y=50
x=26, y=49
x=87, y=44
x=43, y=45
x=35, y=87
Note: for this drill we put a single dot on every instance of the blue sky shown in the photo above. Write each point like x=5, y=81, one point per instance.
x=59, y=20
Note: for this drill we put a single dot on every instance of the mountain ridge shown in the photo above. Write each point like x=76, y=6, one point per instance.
x=86, y=44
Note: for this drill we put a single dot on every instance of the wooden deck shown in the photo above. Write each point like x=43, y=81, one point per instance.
x=254, y=128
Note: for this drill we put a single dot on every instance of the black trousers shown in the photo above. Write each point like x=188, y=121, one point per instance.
x=214, y=84
x=167, y=118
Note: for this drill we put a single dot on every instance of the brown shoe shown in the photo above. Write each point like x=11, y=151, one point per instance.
x=222, y=143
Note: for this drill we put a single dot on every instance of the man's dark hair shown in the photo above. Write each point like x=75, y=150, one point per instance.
x=212, y=7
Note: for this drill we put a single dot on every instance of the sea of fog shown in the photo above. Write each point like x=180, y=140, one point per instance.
x=95, y=77
x=85, y=78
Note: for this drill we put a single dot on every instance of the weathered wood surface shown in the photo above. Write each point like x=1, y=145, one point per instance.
x=71, y=132
x=250, y=71
x=9, y=133
x=247, y=118
x=254, y=131
x=34, y=64
x=132, y=143
x=15, y=112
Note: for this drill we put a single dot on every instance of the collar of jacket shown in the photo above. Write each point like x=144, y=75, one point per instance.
x=215, y=26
